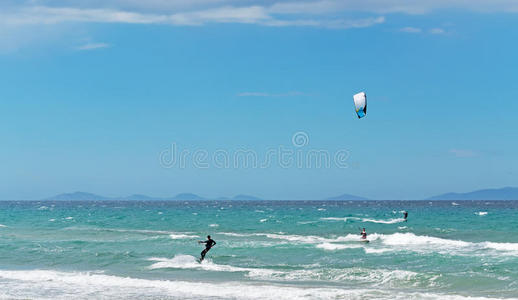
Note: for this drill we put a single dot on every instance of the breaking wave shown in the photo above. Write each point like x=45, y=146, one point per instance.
x=50, y=284
x=345, y=219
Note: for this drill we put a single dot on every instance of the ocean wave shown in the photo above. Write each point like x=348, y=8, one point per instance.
x=331, y=246
x=400, y=241
x=345, y=219
x=3, y=226
x=235, y=234
x=377, y=250
x=50, y=284
x=179, y=236
x=172, y=234
x=481, y=213
x=378, y=277
x=391, y=221
x=512, y=247
x=418, y=243
x=182, y=261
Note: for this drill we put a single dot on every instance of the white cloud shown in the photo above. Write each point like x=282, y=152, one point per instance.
x=437, y=31
x=93, y=46
x=392, y=6
x=411, y=30
x=463, y=153
x=314, y=13
x=42, y=15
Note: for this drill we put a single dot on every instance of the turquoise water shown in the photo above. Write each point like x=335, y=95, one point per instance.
x=265, y=250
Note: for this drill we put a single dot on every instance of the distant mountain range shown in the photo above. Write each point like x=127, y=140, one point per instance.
x=82, y=196
x=507, y=193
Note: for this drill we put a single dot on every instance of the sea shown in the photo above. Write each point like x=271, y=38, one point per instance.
x=264, y=250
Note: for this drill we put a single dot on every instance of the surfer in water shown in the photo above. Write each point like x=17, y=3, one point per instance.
x=209, y=243
x=405, y=215
x=363, y=234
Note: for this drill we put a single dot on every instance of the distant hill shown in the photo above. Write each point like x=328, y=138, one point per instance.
x=346, y=197
x=187, y=197
x=78, y=196
x=82, y=196
x=507, y=193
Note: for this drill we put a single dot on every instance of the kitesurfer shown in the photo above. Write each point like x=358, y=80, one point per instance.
x=405, y=214
x=363, y=234
x=209, y=243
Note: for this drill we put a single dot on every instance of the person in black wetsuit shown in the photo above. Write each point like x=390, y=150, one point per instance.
x=209, y=243
x=405, y=214
x=363, y=234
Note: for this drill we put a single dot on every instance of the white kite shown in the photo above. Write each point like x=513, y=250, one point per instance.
x=360, y=102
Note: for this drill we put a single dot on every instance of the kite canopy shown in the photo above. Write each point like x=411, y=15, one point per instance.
x=360, y=102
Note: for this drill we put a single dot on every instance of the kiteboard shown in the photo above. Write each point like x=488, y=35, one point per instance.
x=364, y=241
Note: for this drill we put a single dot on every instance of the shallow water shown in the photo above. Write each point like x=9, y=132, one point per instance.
x=265, y=250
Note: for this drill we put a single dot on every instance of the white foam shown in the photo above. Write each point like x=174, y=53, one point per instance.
x=172, y=234
x=331, y=246
x=190, y=262
x=69, y=218
x=418, y=243
x=2, y=226
x=400, y=241
x=306, y=222
x=182, y=236
x=49, y=284
x=412, y=239
x=391, y=221
x=481, y=213
x=52, y=220
x=214, y=225
x=377, y=250
x=512, y=247
x=345, y=219
x=235, y=234
x=44, y=284
x=263, y=220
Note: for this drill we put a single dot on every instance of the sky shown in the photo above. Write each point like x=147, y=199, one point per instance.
x=223, y=97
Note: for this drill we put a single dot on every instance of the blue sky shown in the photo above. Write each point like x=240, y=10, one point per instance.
x=91, y=93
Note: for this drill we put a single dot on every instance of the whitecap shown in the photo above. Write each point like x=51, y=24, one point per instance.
x=180, y=236
x=377, y=250
x=50, y=284
x=391, y=221
x=331, y=246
